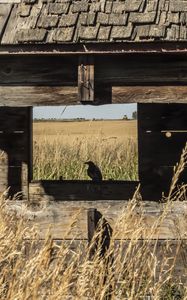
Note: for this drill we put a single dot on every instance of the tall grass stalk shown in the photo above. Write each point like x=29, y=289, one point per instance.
x=65, y=157
x=131, y=269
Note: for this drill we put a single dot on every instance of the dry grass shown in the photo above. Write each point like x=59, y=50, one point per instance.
x=129, y=269
x=61, y=148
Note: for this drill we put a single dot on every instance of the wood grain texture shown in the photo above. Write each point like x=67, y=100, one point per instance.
x=37, y=95
x=159, y=152
x=141, y=69
x=38, y=70
x=81, y=190
x=5, y=11
x=149, y=94
x=15, y=143
x=54, y=80
x=86, y=78
x=68, y=219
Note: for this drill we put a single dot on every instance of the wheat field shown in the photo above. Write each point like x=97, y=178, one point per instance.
x=61, y=148
x=59, y=270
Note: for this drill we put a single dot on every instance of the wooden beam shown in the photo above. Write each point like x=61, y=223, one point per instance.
x=149, y=94
x=61, y=215
x=81, y=189
x=37, y=95
x=66, y=95
x=102, y=48
x=86, y=79
x=141, y=69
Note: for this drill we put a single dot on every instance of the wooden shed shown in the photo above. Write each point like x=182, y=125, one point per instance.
x=63, y=52
x=68, y=52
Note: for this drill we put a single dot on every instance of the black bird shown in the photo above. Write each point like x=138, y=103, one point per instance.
x=93, y=171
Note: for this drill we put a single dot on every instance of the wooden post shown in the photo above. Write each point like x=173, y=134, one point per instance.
x=96, y=219
x=101, y=243
x=86, y=78
x=15, y=150
x=92, y=223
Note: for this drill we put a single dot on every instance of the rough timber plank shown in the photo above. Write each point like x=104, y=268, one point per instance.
x=167, y=118
x=149, y=94
x=141, y=69
x=162, y=135
x=64, y=95
x=38, y=70
x=81, y=190
x=68, y=219
x=4, y=14
x=86, y=78
x=15, y=149
x=37, y=95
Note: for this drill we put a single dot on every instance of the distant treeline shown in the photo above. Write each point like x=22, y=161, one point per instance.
x=75, y=120
x=134, y=117
x=58, y=120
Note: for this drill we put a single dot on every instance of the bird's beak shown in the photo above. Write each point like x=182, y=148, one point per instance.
x=85, y=162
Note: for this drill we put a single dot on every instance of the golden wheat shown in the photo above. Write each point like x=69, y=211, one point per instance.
x=61, y=148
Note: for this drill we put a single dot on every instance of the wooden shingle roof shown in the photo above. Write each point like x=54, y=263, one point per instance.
x=77, y=21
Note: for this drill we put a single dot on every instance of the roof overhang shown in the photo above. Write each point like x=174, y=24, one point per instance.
x=95, y=48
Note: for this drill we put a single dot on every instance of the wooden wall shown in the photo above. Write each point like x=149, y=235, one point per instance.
x=162, y=135
x=57, y=190
x=15, y=149
x=68, y=219
x=40, y=80
x=53, y=80
x=30, y=80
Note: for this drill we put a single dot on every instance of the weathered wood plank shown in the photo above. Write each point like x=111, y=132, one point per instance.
x=5, y=11
x=167, y=117
x=68, y=219
x=160, y=145
x=50, y=80
x=37, y=95
x=15, y=142
x=149, y=94
x=68, y=95
x=38, y=70
x=147, y=69
x=86, y=78
x=92, y=223
x=161, y=149
x=81, y=189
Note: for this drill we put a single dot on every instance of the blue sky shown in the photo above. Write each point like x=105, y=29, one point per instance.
x=111, y=111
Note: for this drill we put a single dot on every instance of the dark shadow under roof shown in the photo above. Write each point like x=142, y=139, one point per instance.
x=67, y=21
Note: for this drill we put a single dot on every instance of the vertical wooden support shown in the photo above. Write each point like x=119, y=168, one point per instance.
x=86, y=78
x=15, y=149
x=92, y=223
x=101, y=242
x=95, y=222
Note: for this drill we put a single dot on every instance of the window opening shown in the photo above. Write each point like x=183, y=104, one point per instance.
x=64, y=138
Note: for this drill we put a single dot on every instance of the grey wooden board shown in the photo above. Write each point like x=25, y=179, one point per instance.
x=37, y=95
x=149, y=94
x=38, y=70
x=5, y=11
x=134, y=68
x=167, y=117
x=86, y=78
x=22, y=95
x=158, y=153
x=68, y=219
x=81, y=189
x=15, y=142
x=49, y=80
x=162, y=249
